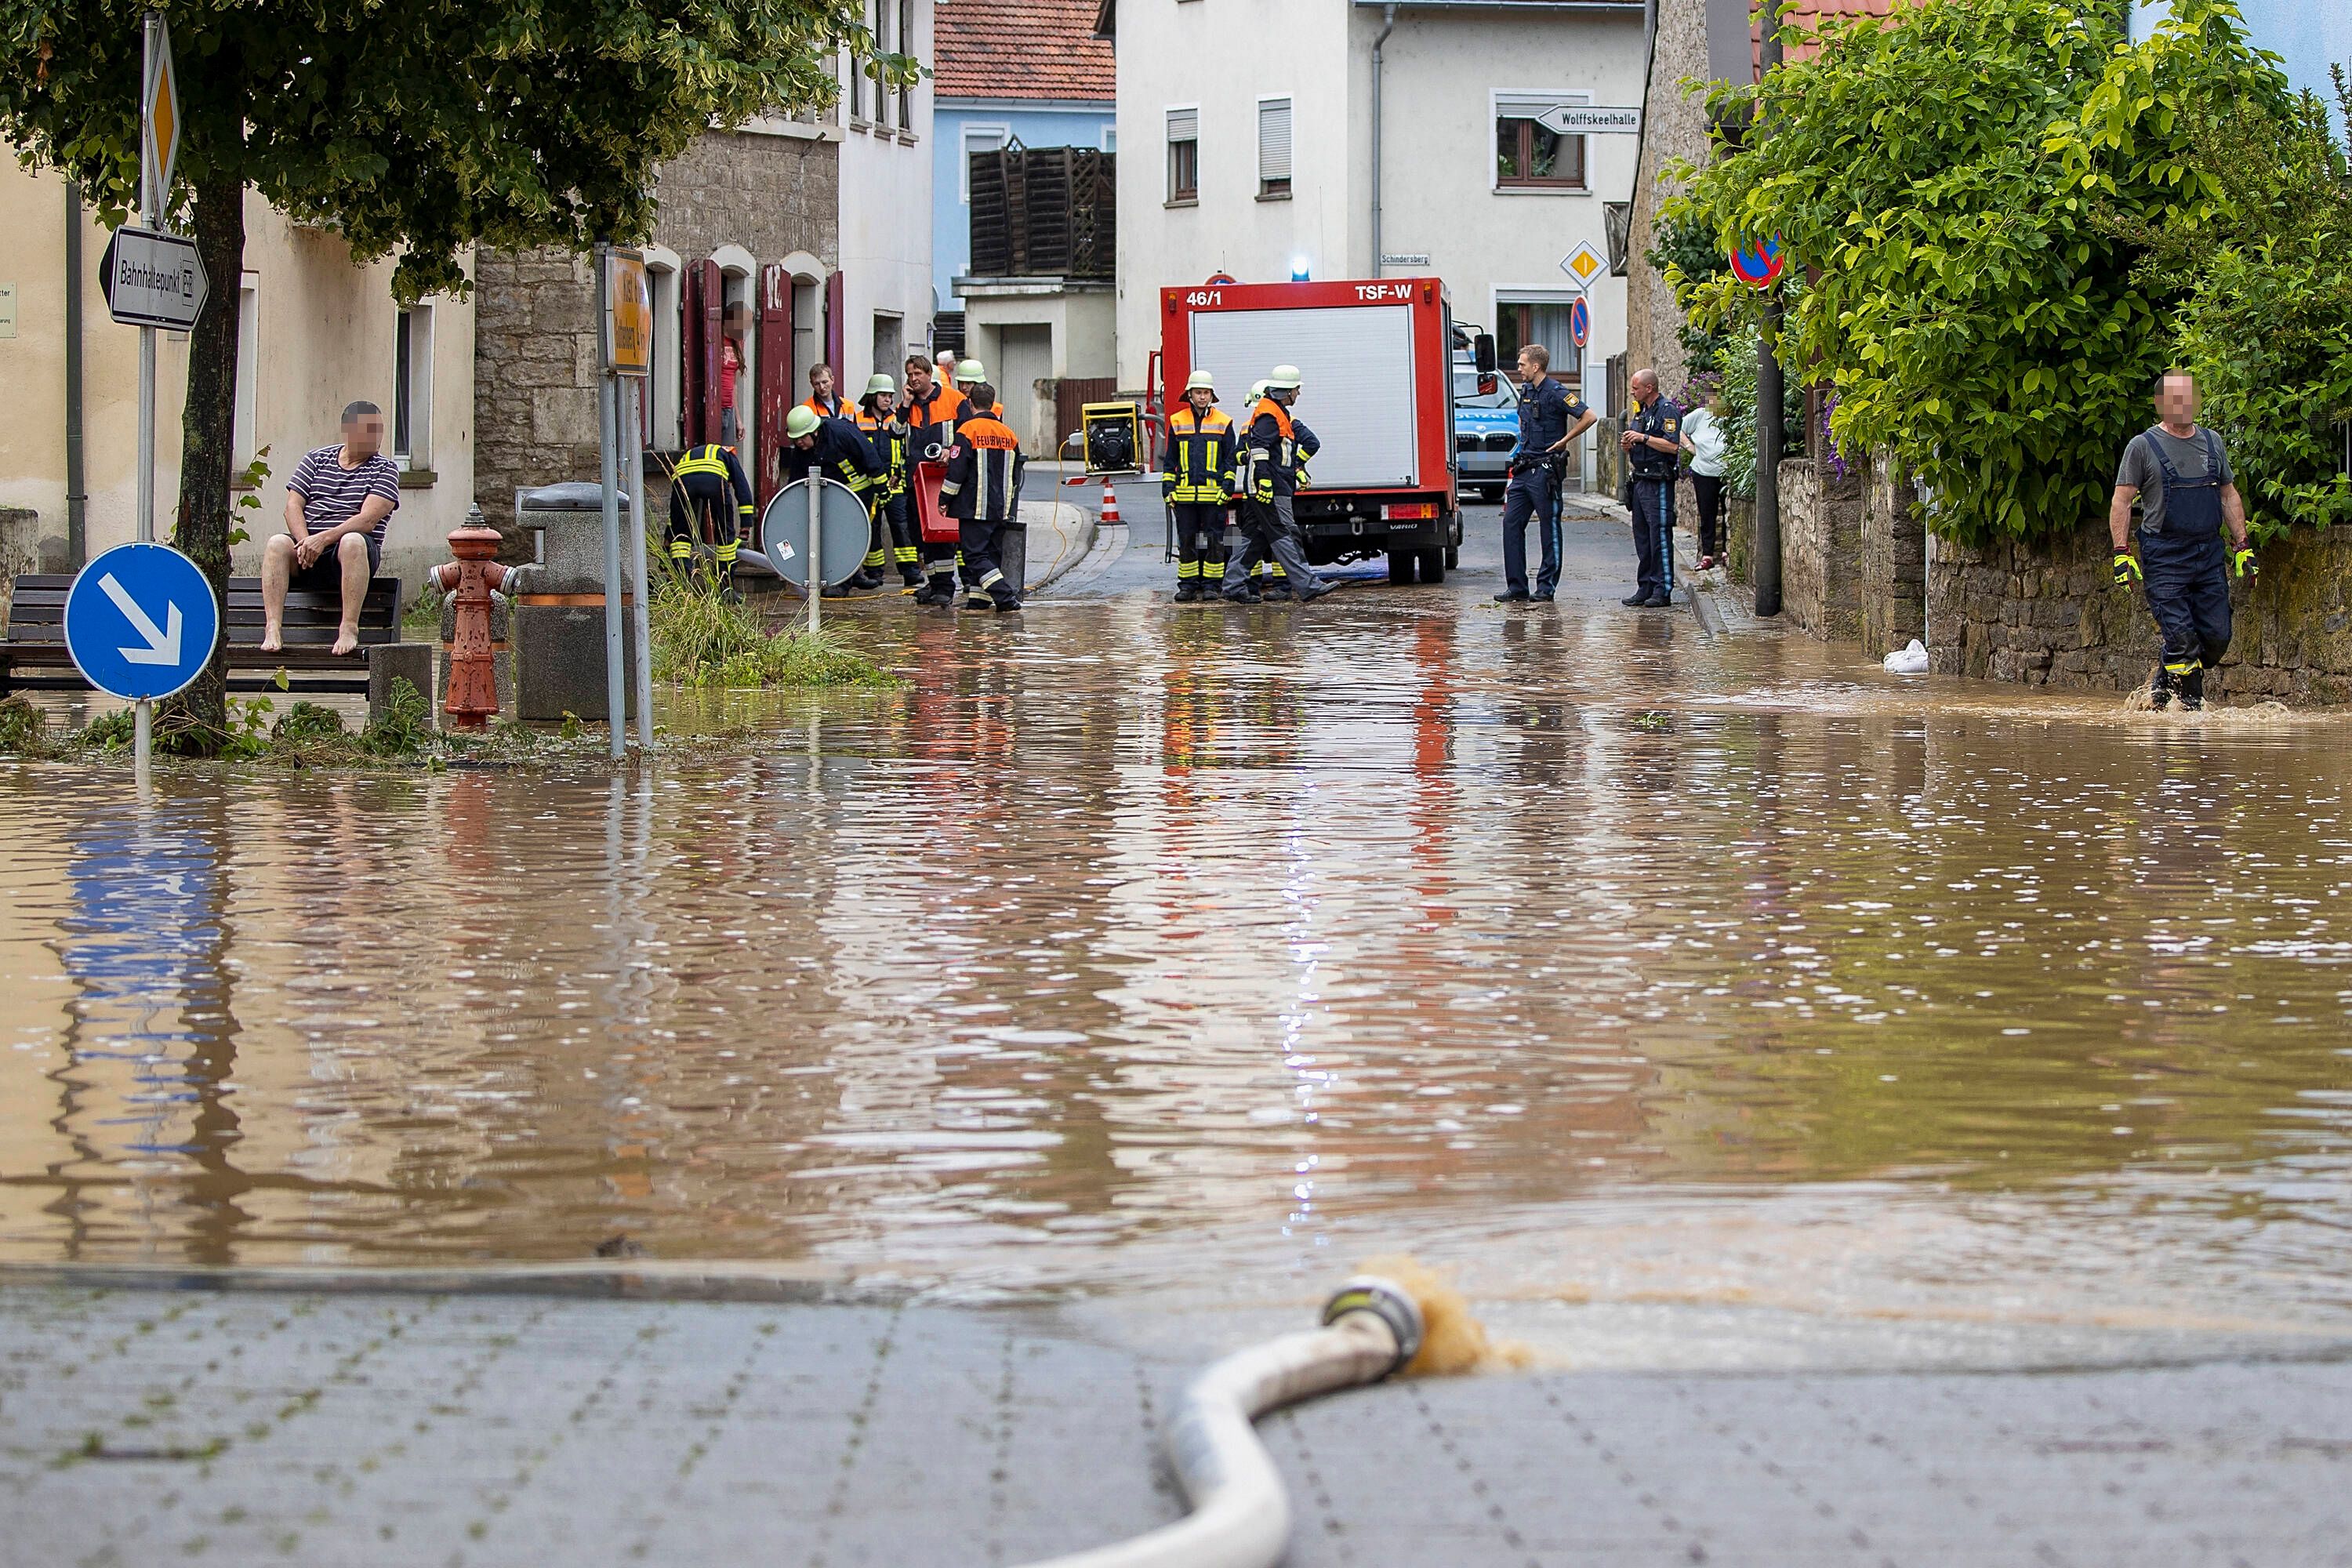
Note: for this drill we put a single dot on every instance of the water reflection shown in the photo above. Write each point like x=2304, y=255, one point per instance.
x=1125, y=942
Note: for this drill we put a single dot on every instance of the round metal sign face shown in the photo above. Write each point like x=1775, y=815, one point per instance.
x=784, y=533
x=1759, y=266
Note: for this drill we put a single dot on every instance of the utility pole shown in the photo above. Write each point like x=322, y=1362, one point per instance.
x=1770, y=395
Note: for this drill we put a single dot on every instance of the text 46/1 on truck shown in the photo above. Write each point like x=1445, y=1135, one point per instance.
x=1376, y=361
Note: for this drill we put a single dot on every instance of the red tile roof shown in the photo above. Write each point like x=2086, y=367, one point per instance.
x=1021, y=49
x=1812, y=14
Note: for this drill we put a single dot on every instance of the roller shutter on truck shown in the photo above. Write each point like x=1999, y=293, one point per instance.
x=1356, y=363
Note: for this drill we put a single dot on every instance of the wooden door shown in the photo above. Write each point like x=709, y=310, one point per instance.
x=778, y=376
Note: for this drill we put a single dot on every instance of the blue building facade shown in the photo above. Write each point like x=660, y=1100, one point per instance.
x=963, y=126
x=2309, y=35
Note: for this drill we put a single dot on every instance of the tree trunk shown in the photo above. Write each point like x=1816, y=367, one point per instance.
x=195, y=723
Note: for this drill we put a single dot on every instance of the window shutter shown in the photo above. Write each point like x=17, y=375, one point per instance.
x=1273, y=140
x=1184, y=125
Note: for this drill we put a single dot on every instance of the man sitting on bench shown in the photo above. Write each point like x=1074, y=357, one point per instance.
x=338, y=501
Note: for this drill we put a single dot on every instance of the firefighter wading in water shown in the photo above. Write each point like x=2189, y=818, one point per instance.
x=709, y=483
x=882, y=418
x=1270, y=526
x=837, y=448
x=1198, y=486
x=2179, y=473
x=983, y=492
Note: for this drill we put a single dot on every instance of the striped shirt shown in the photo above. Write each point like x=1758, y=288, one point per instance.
x=333, y=494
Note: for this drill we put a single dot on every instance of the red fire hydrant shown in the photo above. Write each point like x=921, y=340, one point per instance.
x=473, y=698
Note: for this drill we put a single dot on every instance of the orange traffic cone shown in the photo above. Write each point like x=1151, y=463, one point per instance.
x=1110, y=504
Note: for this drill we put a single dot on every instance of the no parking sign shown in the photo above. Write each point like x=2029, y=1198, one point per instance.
x=1580, y=323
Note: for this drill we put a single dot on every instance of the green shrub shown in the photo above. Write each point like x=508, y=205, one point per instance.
x=405, y=728
x=109, y=732
x=23, y=729
x=700, y=638
x=307, y=721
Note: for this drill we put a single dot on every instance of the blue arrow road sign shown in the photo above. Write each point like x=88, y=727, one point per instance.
x=141, y=621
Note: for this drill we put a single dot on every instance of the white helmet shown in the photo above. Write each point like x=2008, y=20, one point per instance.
x=1284, y=379
x=1201, y=381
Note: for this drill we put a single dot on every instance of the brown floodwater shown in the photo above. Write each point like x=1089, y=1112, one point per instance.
x=1129, y=945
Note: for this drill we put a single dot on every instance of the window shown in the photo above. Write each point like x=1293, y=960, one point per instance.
x=243, y=422
x=411, y=388
x=889, y=348
x=978, y=139
x=663, y=406
x=1528, y=155
x=906, y=47
x=1540, y=318
x=1184, y=155
x=1273, y=147
x=1109, y=140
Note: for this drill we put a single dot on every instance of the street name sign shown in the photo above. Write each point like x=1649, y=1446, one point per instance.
x=1591, y=120
x=152, y=279
x=628, y=313
x=141, y=621
x=1583, y=265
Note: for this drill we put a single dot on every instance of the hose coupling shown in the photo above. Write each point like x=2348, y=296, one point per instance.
x=1384, y=1299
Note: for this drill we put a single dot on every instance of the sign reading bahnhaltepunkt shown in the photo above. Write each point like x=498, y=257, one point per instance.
x=152, y=279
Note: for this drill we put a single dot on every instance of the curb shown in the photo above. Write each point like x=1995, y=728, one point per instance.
x=1089, y=531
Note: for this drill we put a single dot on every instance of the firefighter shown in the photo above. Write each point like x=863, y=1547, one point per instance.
x=1198, y=486
x=933, y=406
x=709, y=481
x=1267, y=576
x=822, y=400
x=882, y=415
x=1653, y=445
x=2180, y=561
x=1269, y=523
x=971, y=373
x=982, y=491
x=838, y=449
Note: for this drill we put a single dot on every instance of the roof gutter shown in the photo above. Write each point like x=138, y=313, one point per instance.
x=1387, y=26
x=1567, y=7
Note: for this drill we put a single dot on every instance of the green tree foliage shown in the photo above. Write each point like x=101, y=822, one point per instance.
x=1952, y=180
x=415, y=126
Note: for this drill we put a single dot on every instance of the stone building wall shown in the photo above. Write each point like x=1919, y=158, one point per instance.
x=2046, y=614
x=1894, y=561
x=535, y=339
x=1821, y=550
x=1673, y=126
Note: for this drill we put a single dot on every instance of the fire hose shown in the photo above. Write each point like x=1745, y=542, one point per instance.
x=1241, y=1514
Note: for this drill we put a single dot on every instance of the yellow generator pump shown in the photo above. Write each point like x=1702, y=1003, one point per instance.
x=1114, y=437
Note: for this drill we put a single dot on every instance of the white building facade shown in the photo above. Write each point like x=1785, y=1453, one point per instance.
x=885, y=292
x=1248, y=149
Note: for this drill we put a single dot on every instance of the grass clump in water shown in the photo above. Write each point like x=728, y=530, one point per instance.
x=702, y=639
x=23, y=729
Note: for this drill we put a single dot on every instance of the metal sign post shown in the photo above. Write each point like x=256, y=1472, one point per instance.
x=816, y=546
x=158, y=147
x=624, y=351
x=633, y=397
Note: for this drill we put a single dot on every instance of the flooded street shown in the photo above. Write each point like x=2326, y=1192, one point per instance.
x=1143, y=946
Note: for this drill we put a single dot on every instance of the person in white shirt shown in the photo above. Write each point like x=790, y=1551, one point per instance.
x=1703, y=440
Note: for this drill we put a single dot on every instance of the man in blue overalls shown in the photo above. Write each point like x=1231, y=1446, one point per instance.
x=1652, y=443
x=1539, y=464
x=2180, y=476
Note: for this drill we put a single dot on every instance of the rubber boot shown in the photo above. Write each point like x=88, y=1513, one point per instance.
x=2192, y=690
x=2159, y=689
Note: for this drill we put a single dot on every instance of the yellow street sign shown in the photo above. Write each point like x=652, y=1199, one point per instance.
x=628, y=315
x=1584, y=264
x=159, y=115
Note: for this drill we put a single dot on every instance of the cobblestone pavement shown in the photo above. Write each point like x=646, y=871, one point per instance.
x=161, y=1426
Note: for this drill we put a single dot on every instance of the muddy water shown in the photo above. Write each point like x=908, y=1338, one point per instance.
x=1132, y=946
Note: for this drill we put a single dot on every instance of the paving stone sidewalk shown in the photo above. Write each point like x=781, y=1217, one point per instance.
x=143, y=1426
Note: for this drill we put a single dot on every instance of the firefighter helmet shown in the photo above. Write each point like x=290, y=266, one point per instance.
x=1257, y=391
x=879, y=383
x=1201, y=381
x=1284, y=379
x=969, y=371
x=800, y=422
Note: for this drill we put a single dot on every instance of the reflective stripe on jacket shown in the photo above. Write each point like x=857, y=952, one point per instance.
x=1200, y=453
x=983, y=478
x=720, y=462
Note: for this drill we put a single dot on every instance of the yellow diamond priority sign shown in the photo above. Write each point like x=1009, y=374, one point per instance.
x=159, y=116
x=1584, y=264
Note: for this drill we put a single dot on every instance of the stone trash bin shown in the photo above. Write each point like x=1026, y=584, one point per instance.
x=555, y=619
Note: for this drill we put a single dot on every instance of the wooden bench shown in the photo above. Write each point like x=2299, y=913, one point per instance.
x=33, y=654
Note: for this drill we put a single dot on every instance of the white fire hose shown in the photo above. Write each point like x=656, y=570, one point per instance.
x=1241, y=1515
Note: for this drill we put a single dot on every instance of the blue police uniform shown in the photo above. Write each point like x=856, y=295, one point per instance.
x=1653, y=487
x=1546, y=411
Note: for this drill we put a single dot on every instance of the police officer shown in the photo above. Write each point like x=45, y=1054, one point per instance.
x=708, y=481
x=1269, y=520
x=1653, y=445
x=1538, y=465
x=837, y=448
x=882, y=417
x=2179, y=473
x=1198, y=486
x=982, y=491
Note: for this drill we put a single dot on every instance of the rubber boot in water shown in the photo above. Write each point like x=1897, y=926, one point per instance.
x=2159, y=689
x=2192, y=690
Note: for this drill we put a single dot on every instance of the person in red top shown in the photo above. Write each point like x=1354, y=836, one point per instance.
x=731, y=367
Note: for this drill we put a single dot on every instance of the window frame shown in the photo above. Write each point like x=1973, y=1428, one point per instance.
x=411, y=388
x=1182, y=194
x=244, y=407
x=1000, y=130
x=1523, y=105
x=905, y=93
x=1277, y=188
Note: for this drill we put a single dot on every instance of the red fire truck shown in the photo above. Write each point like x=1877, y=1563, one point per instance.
x=1376, y=360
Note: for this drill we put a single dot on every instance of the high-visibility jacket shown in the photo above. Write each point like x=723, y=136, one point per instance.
x=983, y=478
x=1200, y=453
x=1273, y=449
x=931, y=422
x=822, y=408
x=720, y=462
x=888, y=439
x=842, y=452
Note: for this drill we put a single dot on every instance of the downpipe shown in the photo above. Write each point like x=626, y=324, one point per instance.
x=1241, y=1514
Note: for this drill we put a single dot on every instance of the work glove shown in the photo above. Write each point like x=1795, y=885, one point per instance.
x=2127, y=569
x=1304, y=481
x=2243, y=563
x=1265, y=491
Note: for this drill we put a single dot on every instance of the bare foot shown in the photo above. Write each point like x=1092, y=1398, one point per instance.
x=347, y=640
x=273, y=640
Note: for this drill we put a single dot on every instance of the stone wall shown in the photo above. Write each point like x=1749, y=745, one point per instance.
x=1673, y=126
x=1821, y=550
x=2046, y=614
x=534, y=327
x=1894, y=561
